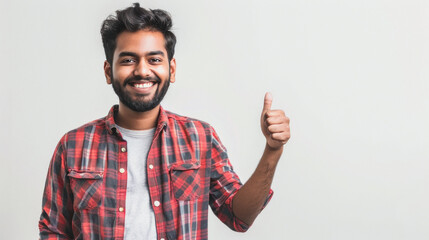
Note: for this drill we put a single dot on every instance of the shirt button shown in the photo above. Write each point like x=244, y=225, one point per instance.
x=121, y=209
x=151, y=166
x=156, y=203
x=122, y=170
x=123, y=149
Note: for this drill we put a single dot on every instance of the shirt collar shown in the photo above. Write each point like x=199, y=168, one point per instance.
x=110, y=119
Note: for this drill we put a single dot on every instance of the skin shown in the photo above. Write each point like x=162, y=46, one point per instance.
x=248, y=201
x=140, y=53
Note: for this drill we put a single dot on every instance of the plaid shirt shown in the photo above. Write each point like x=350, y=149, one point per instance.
x=187, y=168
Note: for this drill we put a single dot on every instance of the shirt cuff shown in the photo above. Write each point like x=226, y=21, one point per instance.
x=239, y=225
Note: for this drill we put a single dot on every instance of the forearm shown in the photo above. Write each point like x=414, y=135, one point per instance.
x=248, y=201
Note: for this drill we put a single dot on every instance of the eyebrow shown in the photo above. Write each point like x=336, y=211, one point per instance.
x=123, y=54
x=151, y=53
x=132, y=54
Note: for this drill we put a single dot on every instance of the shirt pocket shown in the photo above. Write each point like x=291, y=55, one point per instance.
x=186, y=181
x=86, y=187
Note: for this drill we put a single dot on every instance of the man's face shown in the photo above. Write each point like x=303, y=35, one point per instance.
x=140, y=73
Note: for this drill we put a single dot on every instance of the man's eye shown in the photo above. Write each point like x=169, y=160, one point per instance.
x=155, y=60
x=127, y=60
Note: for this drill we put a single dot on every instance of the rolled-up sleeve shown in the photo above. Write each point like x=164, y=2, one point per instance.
x=224, y=184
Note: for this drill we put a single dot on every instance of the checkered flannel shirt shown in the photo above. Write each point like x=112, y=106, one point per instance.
x=187, y=168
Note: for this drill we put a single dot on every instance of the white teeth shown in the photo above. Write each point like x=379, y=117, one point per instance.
x=144, y=85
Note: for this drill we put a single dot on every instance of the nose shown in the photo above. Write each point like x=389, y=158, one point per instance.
x=142, y=69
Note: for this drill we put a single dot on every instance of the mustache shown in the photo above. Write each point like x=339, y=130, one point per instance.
x=129, y=80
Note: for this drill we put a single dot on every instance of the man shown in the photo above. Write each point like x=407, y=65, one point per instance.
x=142, y=172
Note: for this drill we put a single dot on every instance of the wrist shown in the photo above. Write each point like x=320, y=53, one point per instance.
x=271, y=156
x=273, y=149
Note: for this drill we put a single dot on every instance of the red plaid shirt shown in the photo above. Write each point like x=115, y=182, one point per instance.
x=187, y=168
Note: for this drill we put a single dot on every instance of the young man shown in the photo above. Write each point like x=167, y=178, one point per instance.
x=142, y=172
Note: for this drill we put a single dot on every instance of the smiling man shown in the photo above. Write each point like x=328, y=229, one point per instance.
x=143, y=172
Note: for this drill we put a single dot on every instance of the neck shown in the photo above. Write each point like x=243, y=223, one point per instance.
x=132, y=120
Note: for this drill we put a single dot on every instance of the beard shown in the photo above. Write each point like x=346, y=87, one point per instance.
x=137, y=103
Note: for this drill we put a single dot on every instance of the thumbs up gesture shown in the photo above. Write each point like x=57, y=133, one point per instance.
x=274, y=124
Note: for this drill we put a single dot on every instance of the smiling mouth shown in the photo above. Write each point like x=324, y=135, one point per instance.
x=142, y=85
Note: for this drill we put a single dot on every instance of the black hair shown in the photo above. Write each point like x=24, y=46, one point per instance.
x=133, y=19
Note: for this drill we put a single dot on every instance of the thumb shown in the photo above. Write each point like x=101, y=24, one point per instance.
x=267, y=102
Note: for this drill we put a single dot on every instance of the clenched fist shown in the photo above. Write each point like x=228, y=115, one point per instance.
x=274, y=124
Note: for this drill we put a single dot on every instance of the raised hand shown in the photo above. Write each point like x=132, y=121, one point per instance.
x=274, y=124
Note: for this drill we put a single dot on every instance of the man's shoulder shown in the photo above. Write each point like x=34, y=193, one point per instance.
x=98, y=126
x=181, y=118
x=188, y=122
x=91, y=128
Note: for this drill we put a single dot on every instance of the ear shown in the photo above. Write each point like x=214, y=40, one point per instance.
x=173, y=70
x=107, y=72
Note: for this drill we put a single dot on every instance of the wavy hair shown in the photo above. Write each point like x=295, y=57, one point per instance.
x=133, y=19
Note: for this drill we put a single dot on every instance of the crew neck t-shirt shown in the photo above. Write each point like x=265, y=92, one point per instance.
x=139, y=215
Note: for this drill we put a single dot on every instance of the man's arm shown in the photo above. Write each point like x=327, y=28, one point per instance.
x=250, y=199
x=57, y=209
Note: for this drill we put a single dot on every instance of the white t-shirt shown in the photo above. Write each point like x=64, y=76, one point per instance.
x=139, y=215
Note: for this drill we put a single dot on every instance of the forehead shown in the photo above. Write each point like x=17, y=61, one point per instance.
x=140, y=42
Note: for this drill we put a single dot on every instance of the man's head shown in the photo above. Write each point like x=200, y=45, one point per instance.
x=139, y=49
x=133, y=19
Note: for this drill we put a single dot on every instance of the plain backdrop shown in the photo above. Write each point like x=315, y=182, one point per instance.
x=353, y=76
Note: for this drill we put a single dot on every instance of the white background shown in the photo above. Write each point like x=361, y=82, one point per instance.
x=353, y=76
